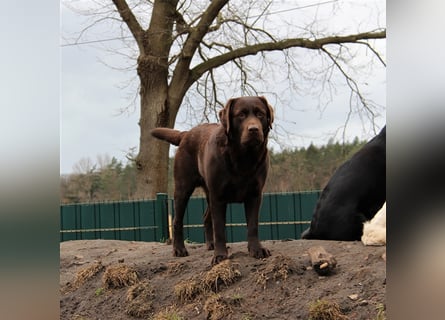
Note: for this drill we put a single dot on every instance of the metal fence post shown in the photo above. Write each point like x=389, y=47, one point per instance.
x=162, y=215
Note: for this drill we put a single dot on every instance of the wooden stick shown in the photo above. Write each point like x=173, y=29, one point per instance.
x=322, y=261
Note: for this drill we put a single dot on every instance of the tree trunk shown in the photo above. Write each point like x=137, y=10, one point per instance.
x=152, y=160
x=155, y=45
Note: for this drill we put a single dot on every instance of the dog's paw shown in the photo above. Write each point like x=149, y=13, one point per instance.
x=218, y=259
x=259, y=253
x=180, y=252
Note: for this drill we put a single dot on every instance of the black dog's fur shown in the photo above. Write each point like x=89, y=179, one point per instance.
x=230, y=162
x=354, y=194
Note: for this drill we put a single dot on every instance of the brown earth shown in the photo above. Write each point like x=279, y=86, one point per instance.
x=109, y=279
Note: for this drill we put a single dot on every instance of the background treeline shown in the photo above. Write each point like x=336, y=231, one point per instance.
x=294, y=170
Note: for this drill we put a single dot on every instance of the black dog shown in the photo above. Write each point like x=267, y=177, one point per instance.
x=230, y=162
x=353, y=195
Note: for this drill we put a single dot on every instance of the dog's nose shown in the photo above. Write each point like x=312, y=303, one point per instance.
x=253, y=128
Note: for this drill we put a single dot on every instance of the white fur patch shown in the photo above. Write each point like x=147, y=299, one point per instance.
x=374, y=231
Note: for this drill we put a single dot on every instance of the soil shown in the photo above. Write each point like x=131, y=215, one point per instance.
x=111, y=279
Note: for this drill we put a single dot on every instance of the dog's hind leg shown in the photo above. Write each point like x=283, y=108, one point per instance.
x=185, y=183
x=181, y=200
x=208, y=229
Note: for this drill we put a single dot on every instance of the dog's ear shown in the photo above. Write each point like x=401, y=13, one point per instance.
x=270, y=112
x=224, y=115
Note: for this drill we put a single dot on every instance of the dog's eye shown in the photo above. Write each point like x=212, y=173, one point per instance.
x=241, y=115
x=259, y=115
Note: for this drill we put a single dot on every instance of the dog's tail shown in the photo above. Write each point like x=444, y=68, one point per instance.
x=170, y=135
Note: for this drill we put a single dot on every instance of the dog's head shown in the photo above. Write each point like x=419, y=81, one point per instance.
x=247, y=120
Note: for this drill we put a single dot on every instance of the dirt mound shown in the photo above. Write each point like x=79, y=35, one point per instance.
x=108, y=279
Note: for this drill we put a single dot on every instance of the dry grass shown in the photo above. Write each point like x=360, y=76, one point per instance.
x=170, y=313
x=87, y=273
x=140, y=300
x=223, y=273
x=217, y=307
x=187, y=290
x=261, y=279
x=140, y=289
x=119, y=276
x=277, y=268
x=381, y=314
x=176, y=268
x=325, y=310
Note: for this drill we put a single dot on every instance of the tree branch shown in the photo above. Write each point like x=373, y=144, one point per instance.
x=316, y=44
x=181, y=75
x=374, y=51
x=198, y=33
x=352, y=84
x=131, y=21
x=355, y=90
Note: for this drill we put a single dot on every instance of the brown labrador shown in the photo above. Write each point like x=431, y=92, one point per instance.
x=230, y=162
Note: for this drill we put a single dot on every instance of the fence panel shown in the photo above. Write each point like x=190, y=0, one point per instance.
x=193, y=220
x=308, y=200
x=107, y=221
x=236, y=230
x=129, y=220
x=148, y=222
x=68, y=221
x=282, y=216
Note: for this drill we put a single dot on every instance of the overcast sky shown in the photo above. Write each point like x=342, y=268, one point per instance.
x=92, y=95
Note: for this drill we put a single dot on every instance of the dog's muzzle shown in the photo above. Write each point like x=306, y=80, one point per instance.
x=253, y=135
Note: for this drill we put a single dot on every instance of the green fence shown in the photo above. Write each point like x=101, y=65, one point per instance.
x=144, y=220
x=282, y=216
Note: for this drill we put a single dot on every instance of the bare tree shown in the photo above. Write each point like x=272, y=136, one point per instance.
x=84, y=166
x=184, y=43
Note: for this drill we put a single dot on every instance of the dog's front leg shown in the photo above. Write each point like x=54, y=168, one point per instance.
x=252, y=210
x=218, y=212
